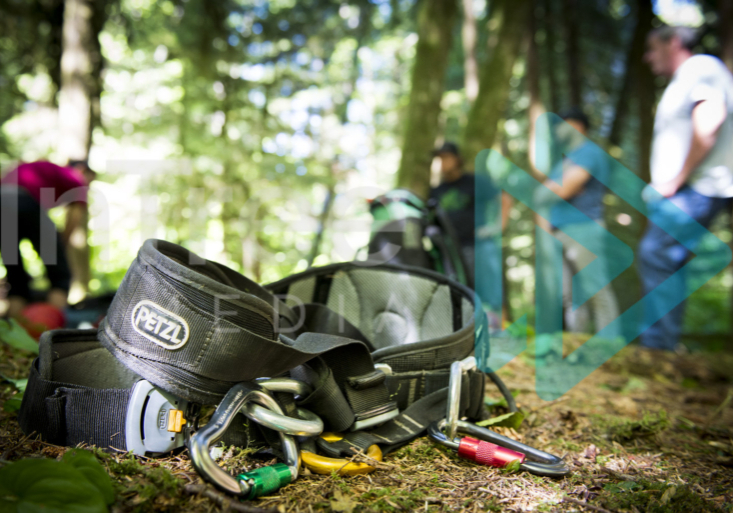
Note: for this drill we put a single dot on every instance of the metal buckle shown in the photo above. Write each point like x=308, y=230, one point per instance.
x=492, y=449
x=156, y=421
x=257, y=482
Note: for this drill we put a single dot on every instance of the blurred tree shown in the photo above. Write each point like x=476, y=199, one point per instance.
x=508, y=25
x=77, y=68
x=646, y=91
x=549, y=29
x=81, y=66
x=30, y=42
x=572, y=40
x=636, y=71
x=436, y=21
x=469, y=38
x=725, y=8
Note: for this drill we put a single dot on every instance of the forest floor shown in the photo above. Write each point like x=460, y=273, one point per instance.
x=648, y=431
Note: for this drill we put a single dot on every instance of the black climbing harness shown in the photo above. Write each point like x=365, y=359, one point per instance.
x=375, y=352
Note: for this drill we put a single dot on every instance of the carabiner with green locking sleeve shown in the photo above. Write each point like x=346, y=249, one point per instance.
x=257, y=482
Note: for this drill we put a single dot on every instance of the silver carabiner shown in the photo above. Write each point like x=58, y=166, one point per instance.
x=255, y=483
x=308, y=423
x=454, y=393
x=495, y=450
x=287, y=385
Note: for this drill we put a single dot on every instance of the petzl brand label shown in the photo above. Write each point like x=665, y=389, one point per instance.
x=159, y=325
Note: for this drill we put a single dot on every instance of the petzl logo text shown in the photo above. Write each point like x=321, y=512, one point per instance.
x=160, y=326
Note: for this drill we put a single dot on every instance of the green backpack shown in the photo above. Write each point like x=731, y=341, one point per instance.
x=406, y=230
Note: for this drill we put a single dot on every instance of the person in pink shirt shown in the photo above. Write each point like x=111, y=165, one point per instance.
x=26, y=195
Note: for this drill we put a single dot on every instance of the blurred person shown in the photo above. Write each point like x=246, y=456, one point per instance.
x=467, y=200
x=577, y=179
x=26, y=195
x=691, y=163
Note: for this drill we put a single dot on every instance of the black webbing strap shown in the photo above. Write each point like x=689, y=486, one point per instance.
x=408, y=387
x=327, y=401
x=410, y=424
x=78, y=393
x=68, y=414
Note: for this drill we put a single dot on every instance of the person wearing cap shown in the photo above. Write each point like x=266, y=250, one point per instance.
x=26, y=195
x=457, y=196
x=577, y=179
x=691, y=164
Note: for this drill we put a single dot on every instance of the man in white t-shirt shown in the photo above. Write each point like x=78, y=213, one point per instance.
x=691, y=164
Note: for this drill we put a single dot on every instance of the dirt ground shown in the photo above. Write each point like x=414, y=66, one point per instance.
x=648, y=431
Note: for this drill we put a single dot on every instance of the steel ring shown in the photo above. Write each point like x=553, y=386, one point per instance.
x=309, y=424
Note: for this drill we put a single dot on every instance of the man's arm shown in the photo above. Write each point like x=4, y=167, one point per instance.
x=506, y=206
x=75, y=216
x=574, y=179
x=707, y=118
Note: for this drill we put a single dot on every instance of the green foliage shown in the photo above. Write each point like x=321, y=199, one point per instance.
x=144, y=485
x=235, y=118
x=650, y=424
x=511, y=420
x=395, y=499
x=78, y=483
x=13, y=334
x=512, y=467
x=643, y=495
x=86, y=463
x=13, y=403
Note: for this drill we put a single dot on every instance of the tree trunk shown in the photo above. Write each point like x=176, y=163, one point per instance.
x=362, y=34
x=78, y=87
x=570, y=8
x=75, y=102
x=435, y=30
x=634, y=64
x=536, y=106
x=726, y=32
x=470, y=67
x=646, y=97
x=509, y=20
x=550, y=57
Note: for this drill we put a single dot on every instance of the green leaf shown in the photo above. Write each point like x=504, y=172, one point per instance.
x=86, y=463
x=15, y=336
x=512, y=466
x=13, y=404
x=501, y=402
x=511, y=420
x=48, y=486
x=20, y=384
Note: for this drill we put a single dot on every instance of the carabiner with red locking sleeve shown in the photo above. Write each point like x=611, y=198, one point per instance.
x=492, y=449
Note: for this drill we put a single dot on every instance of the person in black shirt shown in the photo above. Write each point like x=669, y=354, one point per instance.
x=467, y=199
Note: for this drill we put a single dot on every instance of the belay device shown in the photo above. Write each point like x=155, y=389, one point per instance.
x=359, y=349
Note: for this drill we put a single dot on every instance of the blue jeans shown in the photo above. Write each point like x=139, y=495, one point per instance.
x=661, y=256
x=484, y=260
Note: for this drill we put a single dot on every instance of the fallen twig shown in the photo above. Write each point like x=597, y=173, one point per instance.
x=12, y=448
x=619, y=475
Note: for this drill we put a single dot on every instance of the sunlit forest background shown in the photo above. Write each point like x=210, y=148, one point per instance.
x=240, y=128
